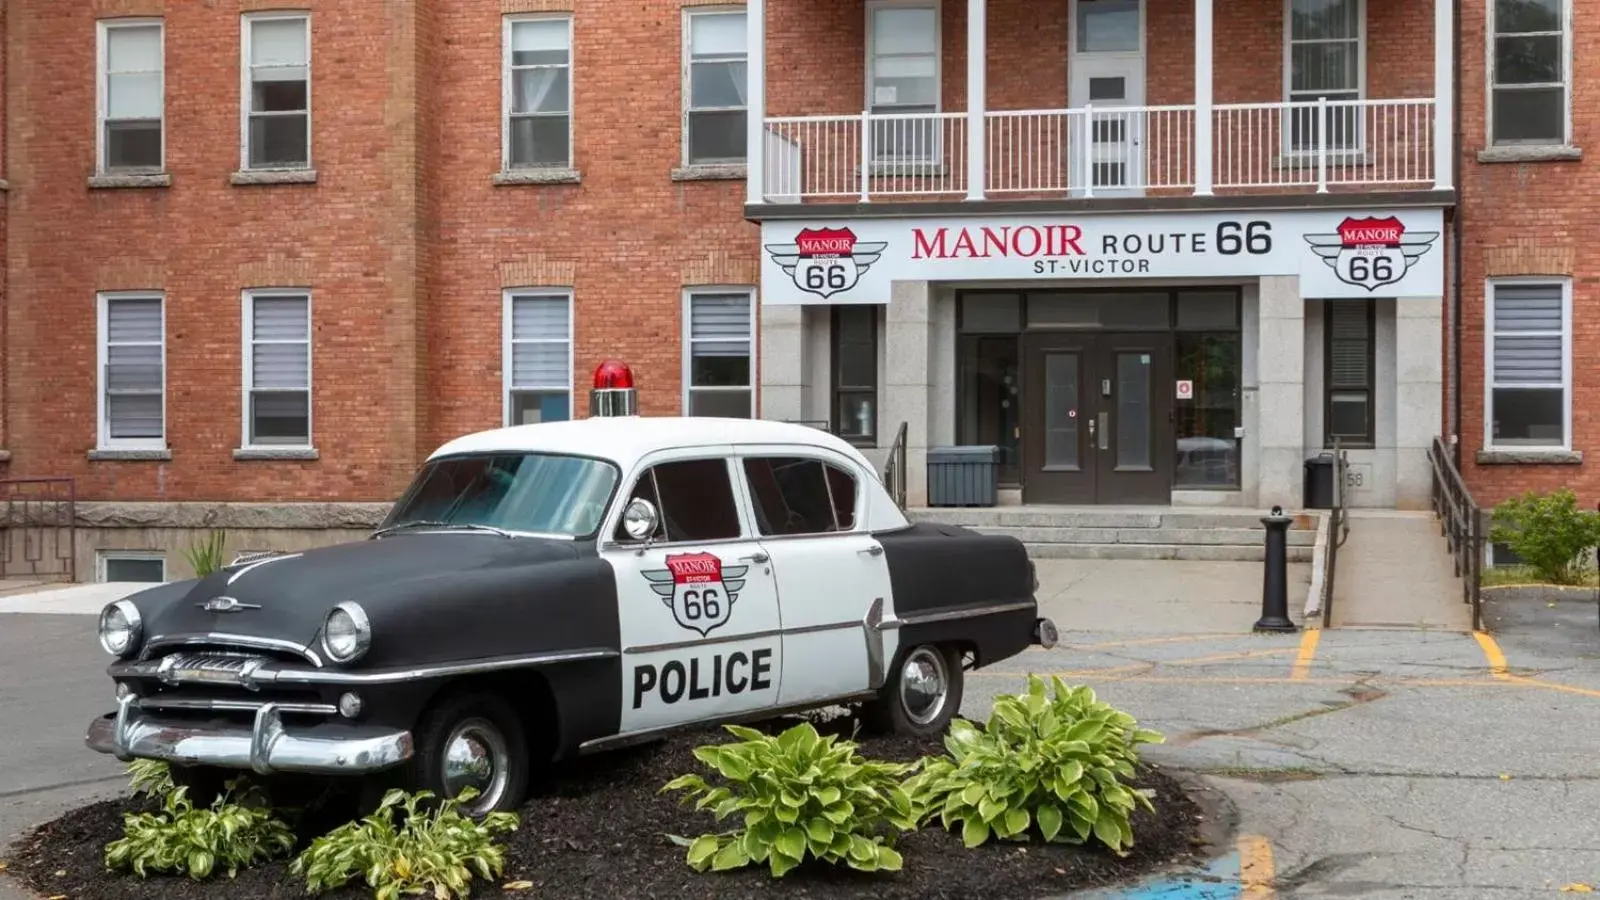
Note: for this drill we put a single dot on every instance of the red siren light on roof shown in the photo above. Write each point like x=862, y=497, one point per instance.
x=613, y=393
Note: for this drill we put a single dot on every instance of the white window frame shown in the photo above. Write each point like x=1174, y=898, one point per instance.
x=690, y=14
x=686, y=336
x=508, y=93
x=896, y=164
x=508, y=298
x=1565, y=281
x=102, y=557
x=103, y=28
x=103, y=439
x=247, y=368
x=246, y=21
x=1286, y=132
x=1566, y=79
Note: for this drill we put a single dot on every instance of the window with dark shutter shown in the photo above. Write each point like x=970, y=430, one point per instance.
x=540, y=351
x=1348, y=355
x=1528, y=349
x=720, y=357
x=134, y=376
x=279, y=369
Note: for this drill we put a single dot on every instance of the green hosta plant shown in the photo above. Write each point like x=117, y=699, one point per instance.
x=435, y=853
x=798, y=794
x=205, y=555
x=185, y=840
x=1054, y=763
x=152, y=777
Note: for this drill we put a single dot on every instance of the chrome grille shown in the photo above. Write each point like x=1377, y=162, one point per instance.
x=208, y=668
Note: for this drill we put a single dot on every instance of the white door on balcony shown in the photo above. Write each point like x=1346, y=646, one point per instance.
x=1106, y=72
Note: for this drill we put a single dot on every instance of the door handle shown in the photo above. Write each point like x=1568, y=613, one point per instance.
x=874, y=550
x=1105, y=426
x=1091, y=432
x=756, y=557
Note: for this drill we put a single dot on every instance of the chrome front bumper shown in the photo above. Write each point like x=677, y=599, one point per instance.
x=265, y=747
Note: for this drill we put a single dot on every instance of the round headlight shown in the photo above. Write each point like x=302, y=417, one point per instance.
x=119, y=628
x=346, y=633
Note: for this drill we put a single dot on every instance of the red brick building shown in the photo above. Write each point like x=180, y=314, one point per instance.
x=262, y=256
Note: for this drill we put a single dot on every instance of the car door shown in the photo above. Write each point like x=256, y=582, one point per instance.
x=833, y=578
x=696, y=603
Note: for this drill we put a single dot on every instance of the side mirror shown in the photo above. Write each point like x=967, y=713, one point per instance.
x=640, y=519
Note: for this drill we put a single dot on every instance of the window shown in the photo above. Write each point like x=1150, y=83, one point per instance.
x=795, y=495
x=1530, y=325
x=277, y=91
x=132, y=92
x=714, y=113
x=1325, y=60
x=720, y=359
x=133, y=565
x=1349, y=337
x=542, y=493
x=694, y=499
x=132, y=363
x=538, y=92
x=855, y=373
x=1530, y=65
x=903, y=80
x=277, y=368
x=538, y=357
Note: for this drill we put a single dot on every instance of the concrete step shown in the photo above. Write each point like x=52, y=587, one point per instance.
x=1195, y=552
x=1243, y=537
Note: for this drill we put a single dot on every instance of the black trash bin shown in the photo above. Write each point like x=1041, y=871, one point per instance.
x=1319, y=482
x=963, y=476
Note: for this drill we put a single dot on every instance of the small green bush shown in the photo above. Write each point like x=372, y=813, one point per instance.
x=799, y=793
x=152, y=777
x=205, y=555
x=434, y=854
x=1054, y=763
x=184, y=840
x=1549, y=532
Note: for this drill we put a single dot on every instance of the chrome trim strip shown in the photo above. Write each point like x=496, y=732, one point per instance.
x=222, y=640
x=752, y=636
x=633, y=737
x=967, y=612
x=254, y=564
x=326, y=709
x=270, y=674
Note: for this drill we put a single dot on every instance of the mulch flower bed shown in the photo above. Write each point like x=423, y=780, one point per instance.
x=598, y=830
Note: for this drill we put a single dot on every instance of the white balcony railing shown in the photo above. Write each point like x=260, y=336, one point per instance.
x=1109, y=151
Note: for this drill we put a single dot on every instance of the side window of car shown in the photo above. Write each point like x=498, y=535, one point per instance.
x=693, y=498
x=794, y=495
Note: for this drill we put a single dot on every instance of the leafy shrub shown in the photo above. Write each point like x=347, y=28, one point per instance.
x=205, y=555
x=152, y=777
x=799, y=793
x=185, y=840
x=1053, y=763
x=432, y=853
x=1549, y=532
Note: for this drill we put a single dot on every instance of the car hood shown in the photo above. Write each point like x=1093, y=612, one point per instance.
x=287, y=597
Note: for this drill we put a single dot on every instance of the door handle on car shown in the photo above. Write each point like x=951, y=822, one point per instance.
x=756, y=557
x=874, y=550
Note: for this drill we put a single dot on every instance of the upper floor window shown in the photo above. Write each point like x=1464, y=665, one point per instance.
x=1529, y=72
x=715, y=89
x=277, y=368
x=1529, y=363
x=797, y=495
x=538, y=354
x=1325, y=61
x=1350, y=330
x=855, y=373
x=720, y=354
x=132, y=363
x=538, y=92
x=903, y=79
x=277, y=91
x=132, y=96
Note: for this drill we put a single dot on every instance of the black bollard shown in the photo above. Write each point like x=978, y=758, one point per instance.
x=1275, y=576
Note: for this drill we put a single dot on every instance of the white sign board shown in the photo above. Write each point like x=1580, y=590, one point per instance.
x=1186, y=390
x=1335, y=253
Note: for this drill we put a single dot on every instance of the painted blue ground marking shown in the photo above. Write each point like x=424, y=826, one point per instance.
x=1221, y=879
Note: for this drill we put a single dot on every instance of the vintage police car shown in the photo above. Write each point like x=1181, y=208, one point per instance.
x=546, y=590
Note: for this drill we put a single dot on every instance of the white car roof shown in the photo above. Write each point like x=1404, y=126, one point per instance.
x=627, y=439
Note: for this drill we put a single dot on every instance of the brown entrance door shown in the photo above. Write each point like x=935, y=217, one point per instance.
x=1097, y=422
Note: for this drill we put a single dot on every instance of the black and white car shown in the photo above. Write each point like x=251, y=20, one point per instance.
x=546, y=590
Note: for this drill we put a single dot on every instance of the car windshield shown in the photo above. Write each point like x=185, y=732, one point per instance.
x=531, y=492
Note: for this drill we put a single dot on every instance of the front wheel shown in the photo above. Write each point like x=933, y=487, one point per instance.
x=472, y=740
x=921, y=695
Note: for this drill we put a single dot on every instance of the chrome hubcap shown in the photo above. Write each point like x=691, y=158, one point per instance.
x=475, y=756
x=924, y=685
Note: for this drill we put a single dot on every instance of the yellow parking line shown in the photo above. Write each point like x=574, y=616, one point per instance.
x=1491, y=652
x=1256, y=875
x=1308, y=652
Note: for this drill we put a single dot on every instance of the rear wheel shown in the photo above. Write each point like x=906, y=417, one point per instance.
x=921, y=695
x=472, y=740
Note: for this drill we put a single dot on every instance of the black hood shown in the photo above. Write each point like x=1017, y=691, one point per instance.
x=386, y=575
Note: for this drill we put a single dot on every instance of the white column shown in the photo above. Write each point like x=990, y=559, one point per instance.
x=1444, y=150
x=756, y=103
x=977, y=63
x=1202, y=96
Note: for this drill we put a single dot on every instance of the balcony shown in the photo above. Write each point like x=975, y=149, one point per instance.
x=1364, y=145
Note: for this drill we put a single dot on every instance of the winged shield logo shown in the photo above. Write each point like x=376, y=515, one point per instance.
x=826, y=261
x=1370, y=252
x=698, y=589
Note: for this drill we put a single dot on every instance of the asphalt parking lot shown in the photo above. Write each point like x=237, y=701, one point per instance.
x=1376, y=763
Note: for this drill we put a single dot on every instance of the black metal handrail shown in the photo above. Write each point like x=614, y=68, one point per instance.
x=1338, y=529
x=1461, y=523
x=894, y=471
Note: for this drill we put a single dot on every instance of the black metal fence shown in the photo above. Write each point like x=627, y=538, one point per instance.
x=894, y=471
x=38, y=529
x=1461, y=522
